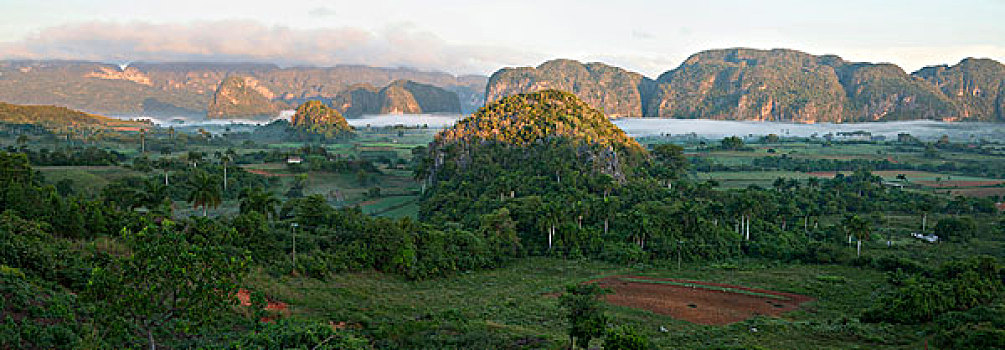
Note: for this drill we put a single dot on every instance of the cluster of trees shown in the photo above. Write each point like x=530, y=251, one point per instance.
x=784, y=162
x=78, y=272
x=924, y=295
x=91, y=156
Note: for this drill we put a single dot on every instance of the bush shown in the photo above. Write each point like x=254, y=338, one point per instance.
x=958, y=285
x=959, y=229
x=625, y=338
x=979, y=328
x=293, y=334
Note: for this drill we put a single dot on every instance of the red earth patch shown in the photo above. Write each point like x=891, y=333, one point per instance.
x=698, y=302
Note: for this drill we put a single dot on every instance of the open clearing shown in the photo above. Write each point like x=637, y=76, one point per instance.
x=698, y=302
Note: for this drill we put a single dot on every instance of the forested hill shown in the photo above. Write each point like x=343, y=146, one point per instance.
x=546, y=134
x=525, y=119
x=314, y=117
x=56, y=118
x=776, y=85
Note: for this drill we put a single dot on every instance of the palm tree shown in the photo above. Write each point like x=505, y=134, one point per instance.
x=259, y=200
x=143, y=140
x=224, y=159
x=165, y=165
x=205, y=191
x=859, y=228
x=153, y=196
x=194, y=157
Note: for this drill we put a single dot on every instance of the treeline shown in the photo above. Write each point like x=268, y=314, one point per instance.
x=784, y=162
x=71, y=156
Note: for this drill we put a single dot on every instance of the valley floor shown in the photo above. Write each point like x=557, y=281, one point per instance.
x=516, y=305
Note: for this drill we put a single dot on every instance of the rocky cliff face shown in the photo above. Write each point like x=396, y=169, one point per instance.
x=977, y=86
x=242, y=97
x=615, y=91
x=358, y=100
x=787, y=85
x=399, y=97
x=190, y=88
x=774, y=85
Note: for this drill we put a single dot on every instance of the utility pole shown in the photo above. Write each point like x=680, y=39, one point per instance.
x=680, y=246
x=293, y=227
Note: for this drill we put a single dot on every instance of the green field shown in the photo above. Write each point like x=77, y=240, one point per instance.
x=518, y=302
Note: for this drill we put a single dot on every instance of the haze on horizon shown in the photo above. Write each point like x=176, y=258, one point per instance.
x=464, y=37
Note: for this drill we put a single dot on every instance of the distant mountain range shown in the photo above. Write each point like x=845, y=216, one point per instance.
x=227, y=90
x=775, y=85
x=733, y=84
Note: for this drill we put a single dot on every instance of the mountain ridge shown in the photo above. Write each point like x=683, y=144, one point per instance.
x=776, y=85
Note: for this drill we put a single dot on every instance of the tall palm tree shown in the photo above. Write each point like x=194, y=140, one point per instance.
x=259, y=200
x=205, y=191
x=225, y=158
x=165, y=165
x=859, y=228
x=194, y=157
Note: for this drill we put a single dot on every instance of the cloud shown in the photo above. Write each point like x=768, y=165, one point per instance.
x=251, y=41
x=639, y=34
x=322, y=11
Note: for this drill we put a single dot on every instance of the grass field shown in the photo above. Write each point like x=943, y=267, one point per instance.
x=87, y=180
x=518, y=302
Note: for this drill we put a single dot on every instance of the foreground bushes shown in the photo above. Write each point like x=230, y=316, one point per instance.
x=959, y=285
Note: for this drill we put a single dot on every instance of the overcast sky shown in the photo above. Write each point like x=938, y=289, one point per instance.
x=465, y=36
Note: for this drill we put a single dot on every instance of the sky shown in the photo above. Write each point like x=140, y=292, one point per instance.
x=479, y=37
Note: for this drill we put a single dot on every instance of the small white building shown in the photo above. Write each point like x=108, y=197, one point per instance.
x=930, y=238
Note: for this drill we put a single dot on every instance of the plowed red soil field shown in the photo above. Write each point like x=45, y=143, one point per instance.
x=698, y=302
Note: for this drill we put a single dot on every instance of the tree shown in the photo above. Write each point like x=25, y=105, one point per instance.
x=194, y=157
x=165, y=165
x=153, y=195
x=167, y=285
x=732, y=143
x=584, y=312
x=859, y=228
x=625, y=338
x=671, y=162
x=205, y=191
x=258, y=200
x=224, y=159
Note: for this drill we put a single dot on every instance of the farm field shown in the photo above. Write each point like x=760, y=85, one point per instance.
x=518, y=302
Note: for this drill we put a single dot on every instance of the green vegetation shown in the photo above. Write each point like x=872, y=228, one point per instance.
x=488, y=236
x=314, y=119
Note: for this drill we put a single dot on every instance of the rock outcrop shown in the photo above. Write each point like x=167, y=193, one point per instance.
x=242, y=97
x=774, y=85
x=399, y=97
x=615, y=91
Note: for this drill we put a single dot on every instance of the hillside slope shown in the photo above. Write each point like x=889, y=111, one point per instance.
x=615, y=91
